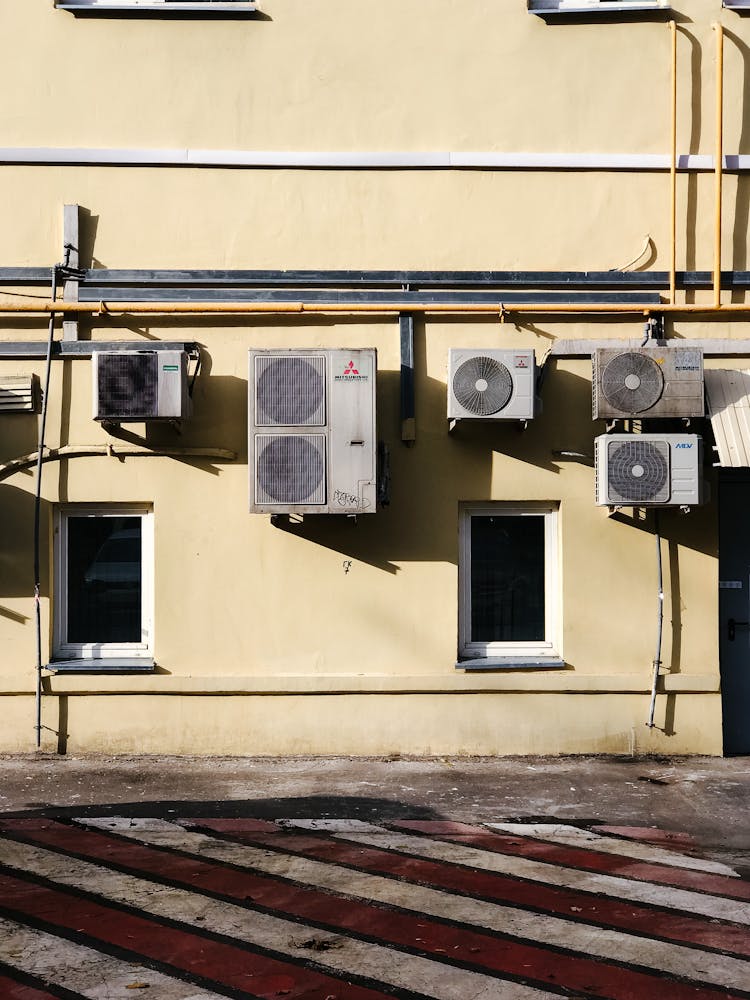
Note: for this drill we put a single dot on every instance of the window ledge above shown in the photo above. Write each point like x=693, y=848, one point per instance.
x=512, y=663
x=113, y=665
x=158, y=8
x=738, y=5
x=546, y=8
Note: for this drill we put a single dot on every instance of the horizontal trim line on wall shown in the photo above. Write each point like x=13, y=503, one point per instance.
x=566, y=682
x=80, y=156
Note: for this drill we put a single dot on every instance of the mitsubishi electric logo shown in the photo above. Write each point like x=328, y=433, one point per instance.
x=351, y=374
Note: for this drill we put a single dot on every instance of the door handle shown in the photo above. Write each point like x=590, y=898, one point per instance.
x=732, y=627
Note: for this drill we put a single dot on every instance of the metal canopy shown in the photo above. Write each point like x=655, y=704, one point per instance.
x=728, y=399
x=577, y=7
x=158, y=8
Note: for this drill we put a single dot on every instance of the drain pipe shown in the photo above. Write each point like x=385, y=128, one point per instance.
x=719, y=160
x=37, y=514
x=660, y=621
x=673, y=171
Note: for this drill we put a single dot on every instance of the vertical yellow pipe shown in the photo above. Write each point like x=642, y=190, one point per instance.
x=673, y=171
x=719, y=158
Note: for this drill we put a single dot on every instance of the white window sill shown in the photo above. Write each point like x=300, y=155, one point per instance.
x=110, y=665
x=577, y=8
x=512, y=663
x=154, y=8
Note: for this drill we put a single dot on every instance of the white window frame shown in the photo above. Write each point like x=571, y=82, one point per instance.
x=511, y=651
x=64, y=650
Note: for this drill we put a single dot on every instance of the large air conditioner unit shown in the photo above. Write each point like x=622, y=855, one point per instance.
x=491, y=384
x=312, y=446
x=136, y=386
x=648, y=382
x=649, y=470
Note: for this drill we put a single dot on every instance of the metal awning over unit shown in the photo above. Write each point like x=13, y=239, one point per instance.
x=728, y=400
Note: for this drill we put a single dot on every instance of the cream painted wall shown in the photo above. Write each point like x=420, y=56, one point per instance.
x=239, y=602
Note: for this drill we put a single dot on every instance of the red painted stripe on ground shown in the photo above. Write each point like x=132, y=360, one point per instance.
x=683, y=928
x=651, y=835
x=530, y=962
x=587, y=858
x=11, y=989
x=184, y=950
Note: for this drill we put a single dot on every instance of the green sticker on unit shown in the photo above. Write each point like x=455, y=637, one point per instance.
x=170, y=368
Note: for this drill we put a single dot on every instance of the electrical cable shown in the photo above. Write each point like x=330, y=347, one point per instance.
x=37, y=515
x=660, y=621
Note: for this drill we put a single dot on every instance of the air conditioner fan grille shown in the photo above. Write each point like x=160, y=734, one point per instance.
x=632, y=382
x=638, y=472
x=482, y=385
x=127, y=385
x=290, y=391
x=290, y=468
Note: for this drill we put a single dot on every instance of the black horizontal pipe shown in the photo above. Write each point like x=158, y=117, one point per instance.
x=98, y=293
x=407, y=280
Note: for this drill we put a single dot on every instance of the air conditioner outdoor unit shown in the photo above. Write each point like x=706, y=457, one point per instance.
x=312, y=446
x=648, y=382
x=649, y=470
x=491, y=384
x=136, y=386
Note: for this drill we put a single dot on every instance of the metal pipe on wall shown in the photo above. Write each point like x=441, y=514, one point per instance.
x=719, y=158
x=673, y=171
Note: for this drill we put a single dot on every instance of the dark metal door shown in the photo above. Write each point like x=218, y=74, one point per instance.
x=734, y=608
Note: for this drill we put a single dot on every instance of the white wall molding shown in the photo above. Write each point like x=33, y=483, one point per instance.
x=249, y=159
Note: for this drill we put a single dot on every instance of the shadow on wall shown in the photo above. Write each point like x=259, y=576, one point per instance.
x=16, y=552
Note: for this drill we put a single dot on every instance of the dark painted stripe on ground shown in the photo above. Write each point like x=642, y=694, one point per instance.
x=18, y=985
x=584, y=907
x=580, y=858
x=179, y=949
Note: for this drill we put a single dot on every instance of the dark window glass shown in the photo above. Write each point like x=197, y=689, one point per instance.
x=507, y=579
x=104, y=579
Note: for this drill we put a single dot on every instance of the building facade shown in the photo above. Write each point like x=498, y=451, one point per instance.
x=416, y=230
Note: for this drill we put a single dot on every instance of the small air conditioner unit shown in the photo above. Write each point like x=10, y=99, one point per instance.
x=648, y=382
x=649, y=470
x=491, y=384
x=312, y=446
x=135, y=386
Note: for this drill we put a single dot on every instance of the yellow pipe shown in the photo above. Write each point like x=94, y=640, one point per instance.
x=285, y=308
x=673, y=172
x=719, y=164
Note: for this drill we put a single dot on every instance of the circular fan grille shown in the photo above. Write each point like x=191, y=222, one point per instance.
x=482, y=385
x=638, y=471
x=632, y=382
x=291, y=469
x=127, y=384
x=289, y=391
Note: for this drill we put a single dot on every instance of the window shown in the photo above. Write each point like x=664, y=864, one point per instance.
x=103, y=585
x=509, y=585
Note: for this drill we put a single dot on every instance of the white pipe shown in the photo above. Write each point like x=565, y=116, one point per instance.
x=90, y=156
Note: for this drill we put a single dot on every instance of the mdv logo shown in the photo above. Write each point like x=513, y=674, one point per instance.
x=684, y=444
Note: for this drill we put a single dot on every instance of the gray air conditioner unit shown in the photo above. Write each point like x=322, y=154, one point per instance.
x=312, y=446
x=491, y=384
x=137, y=386
x=648, y=382
x=649, y=470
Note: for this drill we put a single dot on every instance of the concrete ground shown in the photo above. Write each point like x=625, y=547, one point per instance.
x=374, y=878
x=707, y=798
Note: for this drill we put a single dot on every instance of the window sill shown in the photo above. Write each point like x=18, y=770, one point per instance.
x=153, y=8
x=114, y=665
x=512, y=663
x=578, y=8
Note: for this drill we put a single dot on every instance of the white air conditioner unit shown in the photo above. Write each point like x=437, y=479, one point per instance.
x=648, y=382
x=135, y=386
x=491, y=384
x=649, y=470
x=312, y=445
